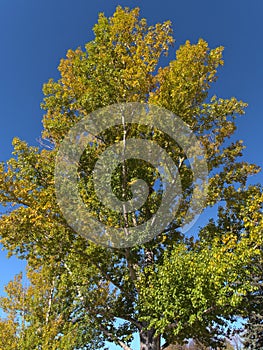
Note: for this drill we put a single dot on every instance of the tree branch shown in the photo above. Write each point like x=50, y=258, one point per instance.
x=130, y=265
x=50, y=300
x=114, y=338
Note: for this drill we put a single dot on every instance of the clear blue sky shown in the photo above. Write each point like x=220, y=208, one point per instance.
x=36, y=34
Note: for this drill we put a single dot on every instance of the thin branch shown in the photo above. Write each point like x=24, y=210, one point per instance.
x=114, y=338
x=207, y=311
x=41, y=140
x=132, y=272
x=110, y=279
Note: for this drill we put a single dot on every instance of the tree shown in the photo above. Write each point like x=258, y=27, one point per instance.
x=36, y=316
x=172, y=287
x=253, y=334
x=195, y=345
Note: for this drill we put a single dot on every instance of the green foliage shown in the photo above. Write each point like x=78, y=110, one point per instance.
x=36, y=316
x=172, y=286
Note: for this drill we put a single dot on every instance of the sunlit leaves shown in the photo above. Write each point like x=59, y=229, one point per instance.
x=174, y=285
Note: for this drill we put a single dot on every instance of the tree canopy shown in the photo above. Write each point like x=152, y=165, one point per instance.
x=173, y=287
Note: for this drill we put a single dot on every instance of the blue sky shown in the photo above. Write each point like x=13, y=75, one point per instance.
x=36, y=34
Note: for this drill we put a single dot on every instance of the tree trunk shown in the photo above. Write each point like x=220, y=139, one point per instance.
x=148, y=341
